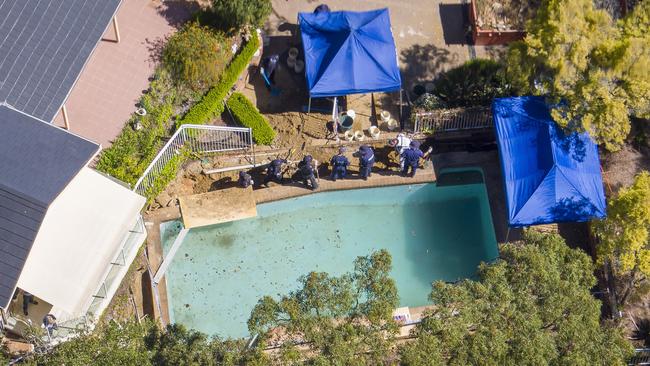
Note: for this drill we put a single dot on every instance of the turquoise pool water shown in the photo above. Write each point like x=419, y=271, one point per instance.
x=433, y=233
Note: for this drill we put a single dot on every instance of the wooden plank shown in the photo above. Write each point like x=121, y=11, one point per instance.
x=218, y=206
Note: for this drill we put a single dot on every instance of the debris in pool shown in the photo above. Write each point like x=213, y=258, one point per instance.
x=187, y=305
x=187, y=255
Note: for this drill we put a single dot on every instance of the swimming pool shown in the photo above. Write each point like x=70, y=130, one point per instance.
x=433, y=232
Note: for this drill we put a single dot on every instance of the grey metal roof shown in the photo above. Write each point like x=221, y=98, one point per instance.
x=44, y=45
x=37, y=161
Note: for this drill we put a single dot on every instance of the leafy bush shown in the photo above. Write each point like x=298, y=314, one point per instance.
x=246, y=114
x=212, y=103
x=133, y=150
x=235, y=14
x=195, y=56
x=474, y=83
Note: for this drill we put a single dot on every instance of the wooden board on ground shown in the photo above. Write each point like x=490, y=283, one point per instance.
x=217, y=206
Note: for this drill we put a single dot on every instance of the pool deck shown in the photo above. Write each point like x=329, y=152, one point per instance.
x=273, y=193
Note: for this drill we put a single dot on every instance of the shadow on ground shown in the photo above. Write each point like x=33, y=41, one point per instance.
x=455, y=23
x=177, y=12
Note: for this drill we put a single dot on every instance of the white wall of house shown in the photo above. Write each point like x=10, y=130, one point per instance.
x=89, y=237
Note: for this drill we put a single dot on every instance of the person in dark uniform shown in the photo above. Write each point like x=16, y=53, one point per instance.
x=28, y=299
x=245, y=179
x=366, y=161
x=274, y=172
x=339, y=165
x=269, y=65
x=411, y=157
x=306, y=170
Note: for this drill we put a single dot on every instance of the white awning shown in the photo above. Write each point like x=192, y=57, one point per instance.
x=81, y=234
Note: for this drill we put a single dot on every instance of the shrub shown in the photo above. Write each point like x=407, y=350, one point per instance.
x=212, y=103
x=195, y=56
x=474, y=83
x=245, y=113
x=235, y=14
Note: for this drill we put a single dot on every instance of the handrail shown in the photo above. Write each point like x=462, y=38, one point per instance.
x=453, y=120
x=199, y=139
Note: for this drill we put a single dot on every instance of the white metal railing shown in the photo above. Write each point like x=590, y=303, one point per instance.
x=453, y=120
x=197, y=139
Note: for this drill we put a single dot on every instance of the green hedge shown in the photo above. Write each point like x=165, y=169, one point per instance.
x=212, y=103
x=245, y=113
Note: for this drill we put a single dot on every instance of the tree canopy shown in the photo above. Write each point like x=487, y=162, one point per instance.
x=595, y=71
x=132, y=343
x=475, y=83
x=195, y=56
x=532, y=307
x=344, y=320
x=625, y=234
x=235, y=14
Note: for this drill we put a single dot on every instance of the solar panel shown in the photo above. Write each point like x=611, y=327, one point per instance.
x=44, y=45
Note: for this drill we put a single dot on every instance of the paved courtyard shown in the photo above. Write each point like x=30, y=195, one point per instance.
x=116, y=74
x=430, y=35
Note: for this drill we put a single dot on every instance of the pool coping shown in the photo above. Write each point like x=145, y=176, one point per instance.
x=276, y=192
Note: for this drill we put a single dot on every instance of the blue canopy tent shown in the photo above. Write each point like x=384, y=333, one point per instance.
x=549, y=176
x=349, y=53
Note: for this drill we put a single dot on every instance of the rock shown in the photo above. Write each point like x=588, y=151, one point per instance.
x=194, y=168
x=163, y=199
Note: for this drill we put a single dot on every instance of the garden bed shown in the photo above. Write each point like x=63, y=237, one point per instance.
x=500, y=22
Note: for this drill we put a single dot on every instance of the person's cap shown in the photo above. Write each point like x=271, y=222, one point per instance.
x=414, y=144
x=307, y=159
x=277, y=162
x=342, y=149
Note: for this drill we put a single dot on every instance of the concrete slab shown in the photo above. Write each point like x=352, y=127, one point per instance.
x=217, y=206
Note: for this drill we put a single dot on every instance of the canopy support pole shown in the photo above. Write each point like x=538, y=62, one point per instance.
x=309, y=105
x=401, y=120
x=507, y=233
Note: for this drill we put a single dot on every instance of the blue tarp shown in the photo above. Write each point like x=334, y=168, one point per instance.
x=349, y=52
x=549, y=176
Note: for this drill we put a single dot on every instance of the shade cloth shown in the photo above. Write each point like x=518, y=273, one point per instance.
x=349, y=53
x=549, y=176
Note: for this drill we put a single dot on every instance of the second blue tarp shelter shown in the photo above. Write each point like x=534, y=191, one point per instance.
x=549, y=176
x=349, y=53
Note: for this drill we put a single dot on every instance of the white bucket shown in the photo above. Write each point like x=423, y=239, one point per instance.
x=349, y=135
x=359, y=136
x=385, y=116
x=392, y=124
x=293, y=53
x=374, y=132
x=351, y=113
x=299, y=66
x=291, y=62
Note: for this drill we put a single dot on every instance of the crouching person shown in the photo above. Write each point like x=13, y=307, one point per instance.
x=245, y=179
x=366, y=161
x=306, y=170
x=274, y=172
x=412, y=157
x=339, y=165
